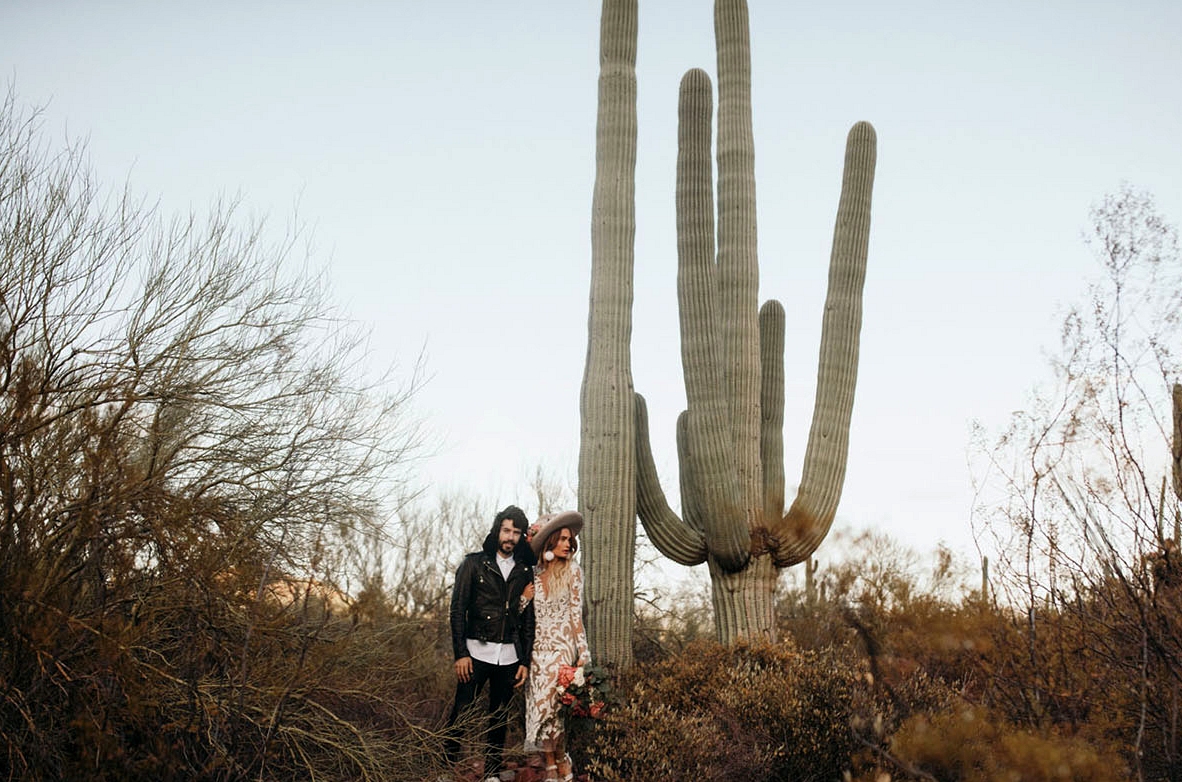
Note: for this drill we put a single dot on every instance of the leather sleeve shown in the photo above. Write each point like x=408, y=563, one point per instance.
x=526, y=634
x=461, y=597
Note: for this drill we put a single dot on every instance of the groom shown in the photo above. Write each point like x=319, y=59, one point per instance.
x=492, y=630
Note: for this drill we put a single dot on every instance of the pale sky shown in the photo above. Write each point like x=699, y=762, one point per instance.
x=443, y=154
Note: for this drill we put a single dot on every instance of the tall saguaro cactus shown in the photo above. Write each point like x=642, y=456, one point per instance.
x=730, y=436
x=607, y=453
x=1176, y=449
x=729, y=439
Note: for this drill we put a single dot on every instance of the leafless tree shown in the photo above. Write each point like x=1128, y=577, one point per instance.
x=184, y=419
x=1074, y=494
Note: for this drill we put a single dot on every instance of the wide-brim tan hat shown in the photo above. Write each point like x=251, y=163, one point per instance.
x=548, y=525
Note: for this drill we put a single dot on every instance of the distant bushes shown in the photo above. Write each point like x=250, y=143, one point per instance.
x=969, y=744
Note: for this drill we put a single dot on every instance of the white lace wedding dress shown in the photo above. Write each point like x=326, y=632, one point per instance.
x=559, y=639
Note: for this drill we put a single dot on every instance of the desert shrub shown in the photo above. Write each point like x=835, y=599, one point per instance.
x=646, y=740
x=753, y=712
x=193, y=685
x=666, y=621
x=969, y=744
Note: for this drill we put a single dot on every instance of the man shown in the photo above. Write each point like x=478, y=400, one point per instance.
x=492, y=630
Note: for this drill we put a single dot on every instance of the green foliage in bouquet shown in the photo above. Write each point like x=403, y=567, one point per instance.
x=585, y=692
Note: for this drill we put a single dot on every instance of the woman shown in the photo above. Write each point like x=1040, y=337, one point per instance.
x=559, y=637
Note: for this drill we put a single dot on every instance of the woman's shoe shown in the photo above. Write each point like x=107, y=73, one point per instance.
x=551, y=774
x=570, y=768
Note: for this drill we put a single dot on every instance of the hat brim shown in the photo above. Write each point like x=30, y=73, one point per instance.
x=570, y=519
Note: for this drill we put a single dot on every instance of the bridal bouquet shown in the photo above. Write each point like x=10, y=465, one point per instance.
x=584, y=691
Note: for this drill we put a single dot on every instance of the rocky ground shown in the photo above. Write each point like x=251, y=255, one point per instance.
x=531, y=770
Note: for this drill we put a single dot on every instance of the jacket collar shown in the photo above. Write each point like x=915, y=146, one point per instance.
x=490, y=561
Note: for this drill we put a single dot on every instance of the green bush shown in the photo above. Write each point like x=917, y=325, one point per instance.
x=968, y=744
x=751, y=712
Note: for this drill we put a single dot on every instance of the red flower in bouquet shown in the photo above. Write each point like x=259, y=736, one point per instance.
x=584, y=691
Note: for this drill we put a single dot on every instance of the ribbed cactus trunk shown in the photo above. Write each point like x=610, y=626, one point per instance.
x=730, y=440
x=1176, y=450
x=607, y=455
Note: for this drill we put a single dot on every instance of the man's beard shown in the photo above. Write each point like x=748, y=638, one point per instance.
x=508, y=546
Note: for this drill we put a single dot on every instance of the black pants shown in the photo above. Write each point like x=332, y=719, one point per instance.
x=500, y=680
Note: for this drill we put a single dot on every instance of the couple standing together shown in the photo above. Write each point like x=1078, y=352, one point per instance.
x=516, y=619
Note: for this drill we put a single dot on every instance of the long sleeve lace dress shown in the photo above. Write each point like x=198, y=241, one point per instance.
x=559, y=640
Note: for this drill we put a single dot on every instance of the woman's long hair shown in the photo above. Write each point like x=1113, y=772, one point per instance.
x=561, y=576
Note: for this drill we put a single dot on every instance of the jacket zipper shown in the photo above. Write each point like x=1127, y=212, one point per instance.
x=505, y=613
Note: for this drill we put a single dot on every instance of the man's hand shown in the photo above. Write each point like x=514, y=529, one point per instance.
x=528, y=592
x=522, y=675
x=464, y=669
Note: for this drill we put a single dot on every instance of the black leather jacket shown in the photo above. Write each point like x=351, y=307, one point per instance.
x=486, y=607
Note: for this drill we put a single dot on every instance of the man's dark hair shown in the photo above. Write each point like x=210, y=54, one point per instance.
x=516, y=514
x=523, y=553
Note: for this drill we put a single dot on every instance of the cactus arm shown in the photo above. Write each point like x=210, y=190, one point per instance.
x=691, y=502
x=738, y=261
x=771, y=404
x=710, y=447
x=674, y=538
x=812, y=512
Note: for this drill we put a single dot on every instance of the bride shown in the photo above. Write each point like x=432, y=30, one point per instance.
x=559, y=640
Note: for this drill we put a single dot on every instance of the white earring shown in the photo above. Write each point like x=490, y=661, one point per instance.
x=548, y=556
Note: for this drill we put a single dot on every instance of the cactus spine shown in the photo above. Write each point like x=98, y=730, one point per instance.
x=607, y=456
x=730, y=436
